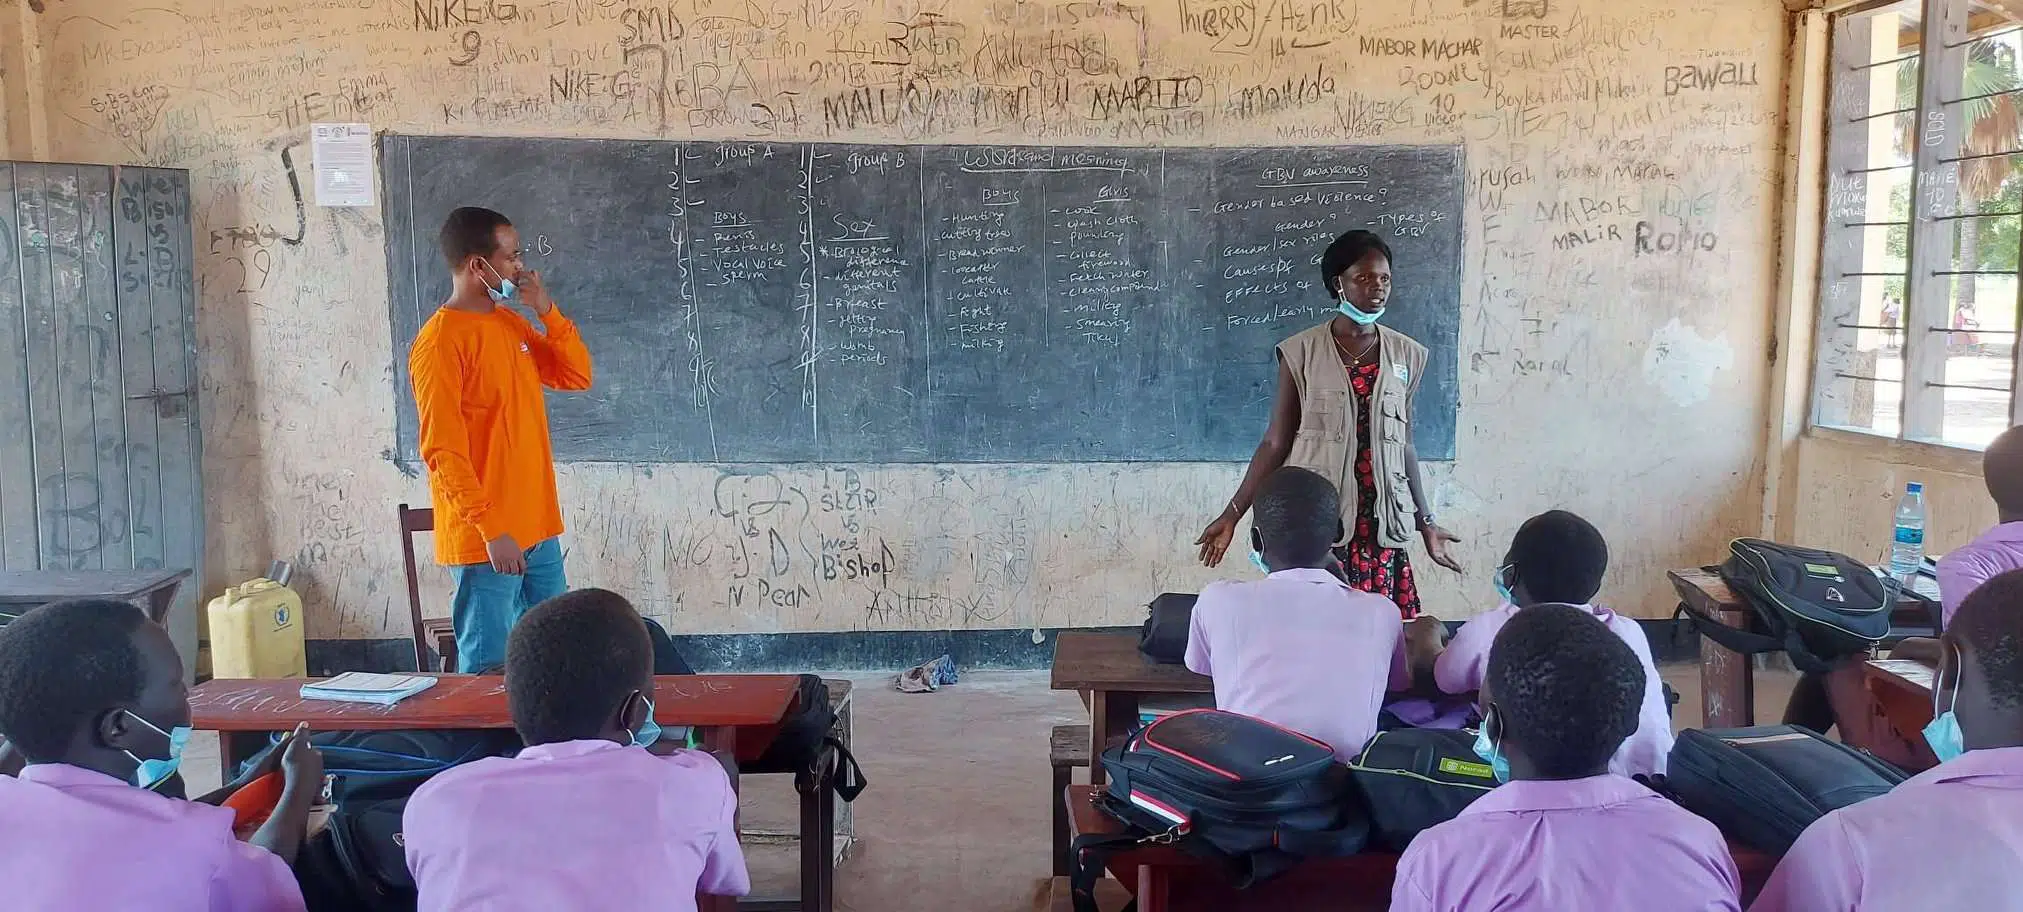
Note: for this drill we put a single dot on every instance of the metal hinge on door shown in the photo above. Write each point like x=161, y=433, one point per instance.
x=168, y=404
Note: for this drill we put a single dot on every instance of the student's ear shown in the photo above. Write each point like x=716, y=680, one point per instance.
x=113, y=729
x=1256, y=540
x=632, y=714
x=1341, y=530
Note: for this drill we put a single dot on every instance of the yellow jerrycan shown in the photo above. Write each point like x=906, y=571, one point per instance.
x=256, y=632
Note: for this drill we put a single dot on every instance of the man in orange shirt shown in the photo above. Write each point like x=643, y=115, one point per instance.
x=479, y=369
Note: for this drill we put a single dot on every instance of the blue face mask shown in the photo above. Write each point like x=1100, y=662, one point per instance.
x=149, y=773
x=1502, y=583
x=1357, y=315
x=1257, y=560
x=649, y=731
x=1943, y=734
x=506, y=289
x=1491, y=754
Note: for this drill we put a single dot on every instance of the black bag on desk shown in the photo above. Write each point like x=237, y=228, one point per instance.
x=1816, y=606
x=1164, y=638
x=1226, y=787
x=1764, y=785
x=803, y=737
x=1412, y=779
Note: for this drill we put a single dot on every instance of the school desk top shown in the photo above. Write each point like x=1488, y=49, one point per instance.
x=1099, y=660
x=476, y=701
x=30, y=588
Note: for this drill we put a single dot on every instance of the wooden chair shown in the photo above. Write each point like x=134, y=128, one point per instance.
x=1067, y=749
x=440, y=630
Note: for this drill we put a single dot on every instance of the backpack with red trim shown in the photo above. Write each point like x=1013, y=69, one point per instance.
x=1227, y=787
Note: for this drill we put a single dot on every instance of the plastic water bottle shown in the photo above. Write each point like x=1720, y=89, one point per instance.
x=1907, y=543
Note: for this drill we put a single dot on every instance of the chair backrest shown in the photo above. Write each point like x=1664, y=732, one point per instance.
x=412, y=521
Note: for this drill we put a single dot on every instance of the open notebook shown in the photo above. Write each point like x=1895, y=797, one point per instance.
x=367, y=687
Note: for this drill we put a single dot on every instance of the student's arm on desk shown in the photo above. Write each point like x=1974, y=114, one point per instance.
x=723, y=867
x=1408, y=891
x=1821, y=873
x=1917, y=649
x=1461, y=667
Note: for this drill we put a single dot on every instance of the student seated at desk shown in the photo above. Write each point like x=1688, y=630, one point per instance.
x=1559, y=558
x=2000, y=549
x=1562, y=832
x=92, y=698
x=1299, y=648
x=1950, y=837
x=593, y=813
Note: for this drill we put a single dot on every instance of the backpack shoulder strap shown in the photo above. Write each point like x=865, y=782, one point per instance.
x=1747, y=642
x=1087, y=857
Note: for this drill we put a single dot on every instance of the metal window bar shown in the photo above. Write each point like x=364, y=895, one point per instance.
x=1891, y=275
x=1968, y=158
x=1902, y=167
x=1844, y=375
x=1969, y=386
x=1990, y=36
x=1892, y=113
x=1878, y=224
x=1985, y=95
x=1883, y=63
x=1867, y=326
x=1947, y=330
x=2000, y=272
x=1974, y=215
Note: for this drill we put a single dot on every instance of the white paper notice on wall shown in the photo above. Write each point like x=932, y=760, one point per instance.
x=343, y=156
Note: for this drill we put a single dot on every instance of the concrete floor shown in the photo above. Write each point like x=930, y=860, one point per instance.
x=956, y=814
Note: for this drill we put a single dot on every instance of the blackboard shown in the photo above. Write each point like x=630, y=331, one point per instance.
x=762, y=303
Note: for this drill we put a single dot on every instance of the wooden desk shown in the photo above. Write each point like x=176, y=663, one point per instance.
x=1900, y=691
x=247, y=712
x=1167, y=879
x=1116, y=675
x=21, y=590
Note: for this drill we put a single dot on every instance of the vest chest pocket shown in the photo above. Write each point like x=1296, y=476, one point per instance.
x=1325, y=414
x=1397, y=421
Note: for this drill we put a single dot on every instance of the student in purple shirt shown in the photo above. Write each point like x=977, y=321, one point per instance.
x=595, y=813
x=1950, y=837
x=92, y=698
x=1999, y=549
x=1562, y=832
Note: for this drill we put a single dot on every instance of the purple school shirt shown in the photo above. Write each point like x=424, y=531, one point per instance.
x=71, y=838
x=1963, y=570
x=1603, y=842
x=1950, y=837
x=1461, y=668
x=576, y=825
x=1301, y=649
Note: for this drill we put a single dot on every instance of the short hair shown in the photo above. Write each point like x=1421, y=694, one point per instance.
x=1298, y=514
x=470, y=231
x=1347, y=251
x=1990, y=620
x=1559, y=557
x=63, y=664
x=2002, y=470
x=570, y=662
x=1567, y=685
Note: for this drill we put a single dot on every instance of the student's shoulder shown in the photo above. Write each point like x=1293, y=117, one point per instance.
x=699, y=775
x=449, y=783
x=1223, y=594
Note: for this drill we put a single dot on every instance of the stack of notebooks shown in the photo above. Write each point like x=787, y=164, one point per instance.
x=365, y=687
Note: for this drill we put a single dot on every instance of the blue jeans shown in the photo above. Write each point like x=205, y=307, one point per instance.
x=487, y=603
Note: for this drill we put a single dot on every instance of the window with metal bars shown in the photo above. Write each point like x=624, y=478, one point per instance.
x=1924, y=222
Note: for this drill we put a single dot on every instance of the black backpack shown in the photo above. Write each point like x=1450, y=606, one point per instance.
x=1164, y=636
x=357, y=863
x=802, y=738
x=1412, y=779
x=1816, y=606
x=1227, y=787
x=1764, y=785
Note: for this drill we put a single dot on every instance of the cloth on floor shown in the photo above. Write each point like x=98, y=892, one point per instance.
x=927, y=677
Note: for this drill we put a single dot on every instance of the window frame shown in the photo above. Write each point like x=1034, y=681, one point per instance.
x=1929, y=267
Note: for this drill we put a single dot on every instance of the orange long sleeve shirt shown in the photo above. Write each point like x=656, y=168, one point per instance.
x=484, y=426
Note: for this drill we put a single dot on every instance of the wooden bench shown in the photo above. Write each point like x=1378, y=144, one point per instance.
x=1066, y=750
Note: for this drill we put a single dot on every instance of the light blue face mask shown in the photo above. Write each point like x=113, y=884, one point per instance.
x=1502, y=583
x=1943, y=734
x=149, y=773
x=1491, y=754
x=649, y=731
x=1257, y=560
x=506, y=290
x=1357, y=315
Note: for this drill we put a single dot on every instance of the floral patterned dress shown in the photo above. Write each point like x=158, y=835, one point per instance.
x=1367, y=565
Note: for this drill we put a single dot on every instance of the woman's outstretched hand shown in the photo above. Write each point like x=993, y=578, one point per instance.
x=1437, y=540
x=1215, y=539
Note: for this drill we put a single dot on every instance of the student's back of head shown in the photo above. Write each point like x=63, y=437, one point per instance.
x=2002, y=471
x=579, y=667
x=74, y=674
x=1980, y=676
x=1555, y=558
x=1562, y=693
x=1296, y=520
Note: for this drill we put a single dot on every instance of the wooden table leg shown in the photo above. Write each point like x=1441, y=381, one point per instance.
x=1152, y=888
x=236, y=747
x=818, y=837
x=1111, y=713
x=1727, y=681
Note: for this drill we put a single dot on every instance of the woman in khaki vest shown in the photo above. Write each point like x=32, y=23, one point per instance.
x=1344, y=409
